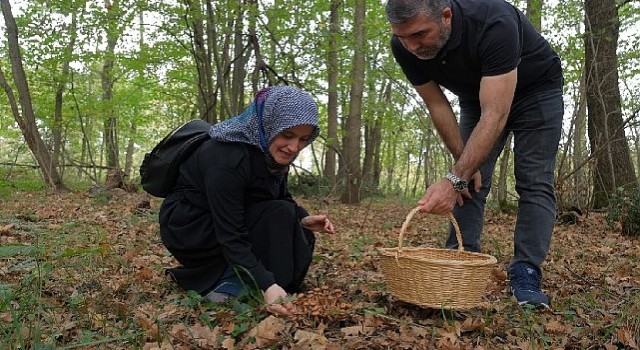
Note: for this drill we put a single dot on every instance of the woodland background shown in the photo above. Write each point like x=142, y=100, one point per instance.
x=90, y=86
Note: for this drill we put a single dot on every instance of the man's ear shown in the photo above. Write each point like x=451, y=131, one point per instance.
x=446, y=16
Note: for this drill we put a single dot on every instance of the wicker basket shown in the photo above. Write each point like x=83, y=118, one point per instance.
x=436, y=278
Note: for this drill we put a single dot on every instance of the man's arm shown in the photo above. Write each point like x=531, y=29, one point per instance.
x=496, y=96
x=442, y=117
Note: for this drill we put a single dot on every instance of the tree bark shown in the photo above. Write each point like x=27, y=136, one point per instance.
x=26, y=120
x=353, y=174
x=202, y=59
x=332, y=103
x=61, y=86
x=613, y=166
x=534, y=13
x=580, y=179
x=503, y=171
x=110, y=121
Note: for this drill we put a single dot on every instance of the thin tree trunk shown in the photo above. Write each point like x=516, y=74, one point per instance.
x=202, y=59
x=392, y=152
x=534, y=13
x=418, y=167
x=502, y=179
x=61, y=86
x=240, y=58
x=354, y=121
x=580, y=180
x=110, y=122
x=26, y=120
x=332, y=103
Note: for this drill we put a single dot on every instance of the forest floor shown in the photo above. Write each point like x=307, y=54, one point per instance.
x=80, y=271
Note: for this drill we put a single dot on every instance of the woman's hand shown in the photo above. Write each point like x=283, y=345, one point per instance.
x=317, y=223
x=274, y=298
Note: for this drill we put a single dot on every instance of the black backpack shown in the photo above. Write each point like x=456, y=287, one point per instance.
x=160, y=168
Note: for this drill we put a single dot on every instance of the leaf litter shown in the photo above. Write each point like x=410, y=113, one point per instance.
x=78, y=272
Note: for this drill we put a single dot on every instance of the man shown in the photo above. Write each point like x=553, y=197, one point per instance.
x=507, y=79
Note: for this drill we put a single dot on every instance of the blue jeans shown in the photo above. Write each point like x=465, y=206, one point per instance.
x=230, y=283
x=536, y=123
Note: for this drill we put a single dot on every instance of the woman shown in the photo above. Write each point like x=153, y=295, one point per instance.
x=231, y=222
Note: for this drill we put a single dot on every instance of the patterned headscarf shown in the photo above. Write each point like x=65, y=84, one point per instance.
x=273, y=110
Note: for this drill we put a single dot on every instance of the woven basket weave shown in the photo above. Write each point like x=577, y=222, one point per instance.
x=436, y=278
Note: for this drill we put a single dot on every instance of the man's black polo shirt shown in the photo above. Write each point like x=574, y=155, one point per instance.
x=488, y=38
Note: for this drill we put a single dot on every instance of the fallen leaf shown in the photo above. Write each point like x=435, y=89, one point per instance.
x=266, y=332
x=6, y=230
x=310, y=340
x=555, y=327
x=626, y=338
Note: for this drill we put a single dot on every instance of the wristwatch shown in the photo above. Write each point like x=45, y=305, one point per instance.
x=458, y=184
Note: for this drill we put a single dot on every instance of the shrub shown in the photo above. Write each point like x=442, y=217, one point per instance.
x=624, y=210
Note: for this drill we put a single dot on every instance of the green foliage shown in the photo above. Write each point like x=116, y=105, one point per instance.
x=624, y=211
x=156, y=84
x=19, y=178
x=309, y=185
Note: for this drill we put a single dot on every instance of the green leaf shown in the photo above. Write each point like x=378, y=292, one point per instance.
x=15, y=249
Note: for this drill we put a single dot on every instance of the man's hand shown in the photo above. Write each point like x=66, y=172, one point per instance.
x=441, y=197
x=317, y=223
x=274, y=297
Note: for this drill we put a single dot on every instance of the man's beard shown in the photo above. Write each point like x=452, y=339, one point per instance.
x=429, y=52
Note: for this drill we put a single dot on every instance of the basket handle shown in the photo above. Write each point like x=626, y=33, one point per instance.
x=405, y=224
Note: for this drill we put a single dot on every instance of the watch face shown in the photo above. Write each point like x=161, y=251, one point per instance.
x=458, y=184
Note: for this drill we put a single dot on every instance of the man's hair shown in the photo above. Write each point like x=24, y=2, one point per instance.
x=399, y=11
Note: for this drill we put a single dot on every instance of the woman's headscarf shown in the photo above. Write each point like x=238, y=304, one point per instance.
x=273, y=110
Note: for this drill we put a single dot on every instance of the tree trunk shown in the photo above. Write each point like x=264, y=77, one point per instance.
x=613, y=166
x=110, y=121
x=580, y=179
x=503, y=172
x=371, y=142
x=534, y=13
x=353, y=174
x=26, y=120
x=202, y=59
x=419, y=166
x=261, y=66
x=392, y=150
x=240, y=58
x=332, y=103
x=61, y=86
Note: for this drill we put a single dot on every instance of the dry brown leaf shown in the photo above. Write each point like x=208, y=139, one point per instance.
x=555, y=327
x=310, y=340
x=228, y=343
x=626, y=338
x=205, y=336
x=266, y=333
x=351, y=331
x=472, y=324
x=144, y=274
x=6, y=230
x=153, y=332
x=610, y=346
x=448, y=340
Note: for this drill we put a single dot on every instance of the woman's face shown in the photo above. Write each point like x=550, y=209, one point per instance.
x=286, y=145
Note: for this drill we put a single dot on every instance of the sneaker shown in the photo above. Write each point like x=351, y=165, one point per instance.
x=525, y=285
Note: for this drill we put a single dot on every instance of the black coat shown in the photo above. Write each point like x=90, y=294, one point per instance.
x=217, y=217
